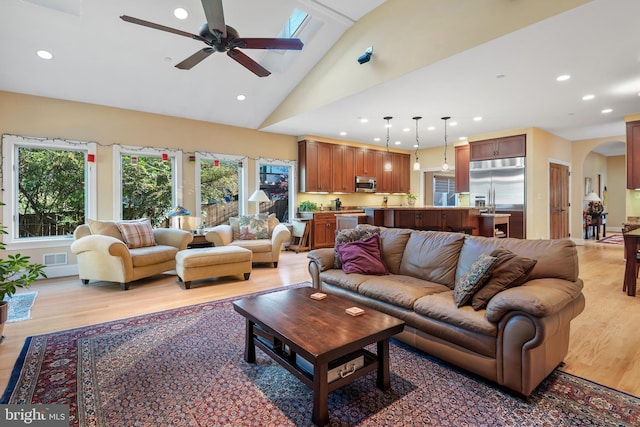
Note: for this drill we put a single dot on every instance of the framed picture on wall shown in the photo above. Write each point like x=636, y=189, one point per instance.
x=587, y=186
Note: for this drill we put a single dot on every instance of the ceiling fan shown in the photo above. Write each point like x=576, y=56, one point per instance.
x=222, y=38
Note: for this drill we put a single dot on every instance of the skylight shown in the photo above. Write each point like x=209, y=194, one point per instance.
x=293, y=25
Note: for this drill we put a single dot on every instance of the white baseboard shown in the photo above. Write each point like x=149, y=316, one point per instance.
x=61, y=270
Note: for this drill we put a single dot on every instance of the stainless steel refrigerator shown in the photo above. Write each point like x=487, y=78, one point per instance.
x=499, y=185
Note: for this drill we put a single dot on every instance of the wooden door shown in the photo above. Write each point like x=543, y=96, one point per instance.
x=558, y=201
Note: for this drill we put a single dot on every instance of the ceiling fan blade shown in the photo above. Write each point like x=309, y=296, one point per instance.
x=215, y=16
x=195, y=59
x=260, y=43
x=248, y=63
x=159, y=27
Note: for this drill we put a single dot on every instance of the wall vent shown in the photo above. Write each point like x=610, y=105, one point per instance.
x=54, y=259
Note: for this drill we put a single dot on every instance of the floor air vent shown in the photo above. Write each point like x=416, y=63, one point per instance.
x=55, y=259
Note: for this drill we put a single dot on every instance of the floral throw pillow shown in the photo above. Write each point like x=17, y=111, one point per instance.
x=253, y=227
x=137, y=234
x=473, y=279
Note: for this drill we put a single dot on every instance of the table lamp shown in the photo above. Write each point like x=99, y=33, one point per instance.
x=259, y=196
x=592, y=197
x=179, y=211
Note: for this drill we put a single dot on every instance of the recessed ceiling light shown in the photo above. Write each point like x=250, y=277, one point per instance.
x=397, y=142
x=343, y=133
x=588, y=97
x=462, y=138
x=606, y=111
x=453, y=124
x=415, y=146
x=563, y=78
x=431, y=128
x=241, y=97
x=180, y=13
x=387, y=125
x=44, y=54
x=477, y=119
x=364, y=120
x=376, y=139
x=406, y=130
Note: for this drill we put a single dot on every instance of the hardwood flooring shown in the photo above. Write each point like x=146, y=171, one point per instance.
x=604, y=346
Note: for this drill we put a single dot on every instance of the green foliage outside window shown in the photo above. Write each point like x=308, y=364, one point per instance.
x=146, y=189
x=51, y=191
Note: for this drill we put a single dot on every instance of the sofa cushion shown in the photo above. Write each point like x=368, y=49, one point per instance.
x=432, y=256
x=151, y=255
x=402, y=291
x=510, y=270
x=362, y=256
x=343, y=280
x=441, y=307
x=137, y=234
x=473, y=279
x=104, y=228
x=256, y=246
x=351, y=235
x=392, y=243
x=272, y=221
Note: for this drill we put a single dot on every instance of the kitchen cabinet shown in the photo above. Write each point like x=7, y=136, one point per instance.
x=463, y=153
x=323, y=230
x=342, y=169
x=365, y=162
x=517, y=223
x=314, y=164
x=633, y=155
x=401, y=173
x=494, y=225
x=384, y=178
x=418, y=219
x=498, y=148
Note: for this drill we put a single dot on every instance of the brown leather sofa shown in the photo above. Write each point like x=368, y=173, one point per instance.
x=516, y=341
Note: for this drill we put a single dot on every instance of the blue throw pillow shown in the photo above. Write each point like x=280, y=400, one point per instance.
x=471, y=281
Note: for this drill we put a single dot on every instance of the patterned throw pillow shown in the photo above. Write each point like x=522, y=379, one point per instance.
x=351, y=235
x=473, y=279
x=251, y=227
x=137, y=234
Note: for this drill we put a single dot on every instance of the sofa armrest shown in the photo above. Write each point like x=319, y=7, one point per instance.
x=279, y=235
x=172, y=237
x=539, y=297
x=220, y=235
x=106, y=245
x=323, y=258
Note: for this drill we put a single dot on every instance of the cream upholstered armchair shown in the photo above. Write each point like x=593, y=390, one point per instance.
x=263, y=235
x=124, y=251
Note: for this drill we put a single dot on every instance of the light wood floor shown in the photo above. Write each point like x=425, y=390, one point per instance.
x=604, y=347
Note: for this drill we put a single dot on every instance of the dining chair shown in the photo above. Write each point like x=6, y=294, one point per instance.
x=631, y=244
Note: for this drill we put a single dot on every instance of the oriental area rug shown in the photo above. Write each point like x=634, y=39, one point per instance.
x=185, y=367
x=615, y=239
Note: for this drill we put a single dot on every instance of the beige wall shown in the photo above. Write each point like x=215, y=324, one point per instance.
x=614, y=199
x=46, y=117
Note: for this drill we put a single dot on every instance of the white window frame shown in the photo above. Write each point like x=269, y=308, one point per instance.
x=10, y=145
x=175, y=157
x=242, y=184
x=292, y=180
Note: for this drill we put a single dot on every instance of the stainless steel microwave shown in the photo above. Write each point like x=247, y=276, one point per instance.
x=365, y=184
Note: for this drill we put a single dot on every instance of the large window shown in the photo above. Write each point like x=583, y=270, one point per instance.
x=275, y=179
x=220, y=188
x=147, y=183
x=47, y=190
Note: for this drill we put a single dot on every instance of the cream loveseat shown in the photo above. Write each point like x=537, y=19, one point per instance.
x=103, y=254
x=261, y=234
x=521, y=335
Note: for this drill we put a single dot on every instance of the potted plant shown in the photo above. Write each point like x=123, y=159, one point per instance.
x=411, y=199
x=16, y=271
x=307, y=208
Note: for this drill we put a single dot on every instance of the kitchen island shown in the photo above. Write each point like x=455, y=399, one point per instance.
x=437, y=218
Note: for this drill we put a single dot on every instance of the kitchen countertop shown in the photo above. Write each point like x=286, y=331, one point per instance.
x=422, y=207
x=495, y=215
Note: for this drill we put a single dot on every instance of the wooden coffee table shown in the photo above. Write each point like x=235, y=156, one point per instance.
x=289, y=323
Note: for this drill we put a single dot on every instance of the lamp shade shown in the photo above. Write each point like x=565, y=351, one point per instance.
x=259, y=196
x=179, y=211
x=592, y=197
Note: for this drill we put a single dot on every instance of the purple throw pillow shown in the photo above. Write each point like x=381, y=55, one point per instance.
x=362, y=256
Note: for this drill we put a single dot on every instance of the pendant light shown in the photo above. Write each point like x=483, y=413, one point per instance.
x=416, y=165
x=445, y=165
x=387, y=163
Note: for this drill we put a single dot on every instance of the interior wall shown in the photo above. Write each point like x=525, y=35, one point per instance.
x=614, y=200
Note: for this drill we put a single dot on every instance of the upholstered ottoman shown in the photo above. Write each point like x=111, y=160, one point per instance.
x=194, y=264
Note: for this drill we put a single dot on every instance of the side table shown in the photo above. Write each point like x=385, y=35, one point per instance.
x=199, y=241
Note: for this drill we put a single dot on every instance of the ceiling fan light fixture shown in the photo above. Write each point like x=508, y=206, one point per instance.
x=416, y=164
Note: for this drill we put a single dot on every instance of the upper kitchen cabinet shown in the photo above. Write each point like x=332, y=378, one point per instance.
x=383, y=177
x=462, y=168
x=633, y=155
x=498, y=148
x=401, y=173
x=365, y=162
x=343, y=173
x=314, y=166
